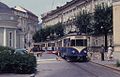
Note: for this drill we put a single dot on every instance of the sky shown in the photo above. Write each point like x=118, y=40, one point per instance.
x=38, y=7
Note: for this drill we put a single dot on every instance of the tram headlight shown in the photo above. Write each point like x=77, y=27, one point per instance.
x=73, y=51
x=85, y=51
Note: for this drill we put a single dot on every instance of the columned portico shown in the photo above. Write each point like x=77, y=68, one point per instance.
x=4, y=37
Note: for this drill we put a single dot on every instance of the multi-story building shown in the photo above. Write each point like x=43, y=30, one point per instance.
x=27, y=26
x=67, y=13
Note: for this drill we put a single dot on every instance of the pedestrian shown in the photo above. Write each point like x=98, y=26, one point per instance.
x=110, y=53
x=34, y=50
x=40, y=51
x=102, y=52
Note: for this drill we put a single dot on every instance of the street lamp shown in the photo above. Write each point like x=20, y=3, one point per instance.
x=105, y=32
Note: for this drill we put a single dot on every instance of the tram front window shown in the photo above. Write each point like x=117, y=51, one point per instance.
x=81, y=42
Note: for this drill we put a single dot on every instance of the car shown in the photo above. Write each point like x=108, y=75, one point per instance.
x=52, y=52
x=55, y=52
x=49, y=52
x=21, y=51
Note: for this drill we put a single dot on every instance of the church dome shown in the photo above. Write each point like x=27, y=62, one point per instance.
x=4, y=8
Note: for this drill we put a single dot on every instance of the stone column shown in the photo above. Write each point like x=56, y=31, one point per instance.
x=116, y=29
x=4, y=38
x=14, y=38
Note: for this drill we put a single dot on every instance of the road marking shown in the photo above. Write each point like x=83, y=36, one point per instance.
x=48, y=61
x=40, y=60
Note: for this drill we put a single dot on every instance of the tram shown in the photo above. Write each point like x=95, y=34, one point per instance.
x=73, y=48
x=70, y=47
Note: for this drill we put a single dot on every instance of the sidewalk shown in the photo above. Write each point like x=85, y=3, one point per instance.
x=96, y=58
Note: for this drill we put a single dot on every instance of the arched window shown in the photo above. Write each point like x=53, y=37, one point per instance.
x=10, y=39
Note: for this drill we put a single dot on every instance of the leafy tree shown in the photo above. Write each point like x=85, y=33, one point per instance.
x=83, y=22
x=36, y=38
x=59, y=29
x=40, y=35
x=43, y=34
x=103, y=21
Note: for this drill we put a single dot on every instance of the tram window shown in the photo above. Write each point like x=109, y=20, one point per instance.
x=72, y=42
x=51, y=44
x=81, y=42
x=85, y=42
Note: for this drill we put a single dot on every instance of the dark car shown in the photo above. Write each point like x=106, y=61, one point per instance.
x=21, y=51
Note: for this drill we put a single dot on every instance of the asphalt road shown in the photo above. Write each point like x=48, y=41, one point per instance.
x=53, y=68
x=48, y=66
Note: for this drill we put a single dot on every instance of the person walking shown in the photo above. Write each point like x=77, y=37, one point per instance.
x=110, y=53
x=102, y=52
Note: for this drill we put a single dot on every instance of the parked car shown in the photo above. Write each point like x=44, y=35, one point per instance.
x=21, y=51
x=52, y=52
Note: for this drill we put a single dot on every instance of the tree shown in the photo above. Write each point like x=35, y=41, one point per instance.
x=40, y=35
x=56, y=31
x=36, y=38
x=103, y=21
x=83, y=22
x=49, y=33
x=59, y=29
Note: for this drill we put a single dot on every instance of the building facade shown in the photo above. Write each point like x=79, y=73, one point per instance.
x=116, y=28
x=8, y=26
x=27, y=26
x=17, y=26
x=67, y=13
x=70, y=10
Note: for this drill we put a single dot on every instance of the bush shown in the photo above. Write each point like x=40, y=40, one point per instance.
x=2, y=48
x=16, y=63
x=24, y=63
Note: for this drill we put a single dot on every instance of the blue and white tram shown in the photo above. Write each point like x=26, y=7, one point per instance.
x=73, y=48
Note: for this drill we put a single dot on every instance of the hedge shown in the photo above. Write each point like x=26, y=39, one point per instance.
x=16, y=63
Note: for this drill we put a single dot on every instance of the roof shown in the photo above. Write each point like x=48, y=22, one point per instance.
x=4, y=8
x=19, y=8
x=59, y=9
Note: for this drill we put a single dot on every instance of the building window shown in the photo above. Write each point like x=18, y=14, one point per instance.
x=10, y=39
x=96, y=42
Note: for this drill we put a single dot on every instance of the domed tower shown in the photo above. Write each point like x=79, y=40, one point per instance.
x=8, y=26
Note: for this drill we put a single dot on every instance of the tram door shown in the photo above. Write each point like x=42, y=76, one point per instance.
x=66, y=45
x=67, y=42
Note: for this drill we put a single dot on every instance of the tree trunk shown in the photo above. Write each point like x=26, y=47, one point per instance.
x=106, y=43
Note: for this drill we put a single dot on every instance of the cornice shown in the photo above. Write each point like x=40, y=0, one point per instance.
x=117, y=3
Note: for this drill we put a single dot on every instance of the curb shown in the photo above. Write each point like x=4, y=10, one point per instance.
x=46, y=60
x=114, y=68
